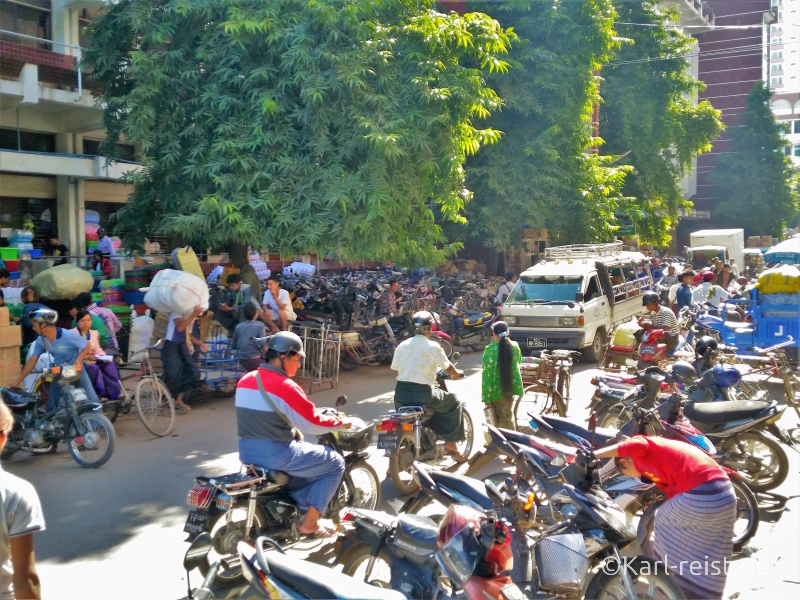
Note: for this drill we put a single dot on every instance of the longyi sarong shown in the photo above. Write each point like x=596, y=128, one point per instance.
x=448, y=422
x=694, y=537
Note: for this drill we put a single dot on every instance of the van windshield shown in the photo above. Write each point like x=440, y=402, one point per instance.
x=551, y=289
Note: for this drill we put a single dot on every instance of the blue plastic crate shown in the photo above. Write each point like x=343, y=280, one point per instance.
x=13, y=275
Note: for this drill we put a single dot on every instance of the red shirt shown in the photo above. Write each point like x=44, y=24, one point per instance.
x=674, y=466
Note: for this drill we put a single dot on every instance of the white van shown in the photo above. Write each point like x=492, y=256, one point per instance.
x=575, y=297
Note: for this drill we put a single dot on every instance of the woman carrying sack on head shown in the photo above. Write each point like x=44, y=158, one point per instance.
x=501, y=379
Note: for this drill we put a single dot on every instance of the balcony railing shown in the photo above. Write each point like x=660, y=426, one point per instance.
x=48, y=59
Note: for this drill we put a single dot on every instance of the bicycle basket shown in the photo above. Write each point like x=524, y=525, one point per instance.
x=355, y=441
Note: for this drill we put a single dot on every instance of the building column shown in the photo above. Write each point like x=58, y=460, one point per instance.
x=64, y=24
x=70, y=202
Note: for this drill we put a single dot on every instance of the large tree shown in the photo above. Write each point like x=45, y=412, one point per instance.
x=756, y=182
x=298, y=125
x=542, y=173
x=650, y=116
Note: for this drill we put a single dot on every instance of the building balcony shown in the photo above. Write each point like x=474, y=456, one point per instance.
x=696, y=13
x=79, y=166
x=54, y=67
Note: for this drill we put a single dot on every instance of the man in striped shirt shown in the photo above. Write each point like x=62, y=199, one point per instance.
x=662, y=318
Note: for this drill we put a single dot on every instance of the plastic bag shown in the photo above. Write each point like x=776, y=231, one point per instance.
x=176, y=291
x=90, y=228
x=780, y=280
x=141, y=330
x=623, y=335
x=63, y=282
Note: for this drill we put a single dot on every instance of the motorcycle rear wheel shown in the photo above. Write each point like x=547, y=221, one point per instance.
x=218, y=530
x=650, y=581
x=99, y=436
x=400, y=469
x=356, y=566
x=775, y=464
x=747, y=515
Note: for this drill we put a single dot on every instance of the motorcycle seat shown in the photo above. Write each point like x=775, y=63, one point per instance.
x=18, y=398
x=317, y=581
x=253, y=475
x=602, y=435
x=472, y=320
x=417, y=531
x=721, y=412
x=471, y=488
x=621, y=349
x=738, y=326
x=525, y=440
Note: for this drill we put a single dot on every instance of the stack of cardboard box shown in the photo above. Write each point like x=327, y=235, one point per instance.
x=10, y=342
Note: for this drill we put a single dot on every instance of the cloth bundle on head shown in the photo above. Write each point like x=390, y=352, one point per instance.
x=173, y=291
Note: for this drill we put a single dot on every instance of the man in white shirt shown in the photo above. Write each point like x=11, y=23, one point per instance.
x=22, y=516
x=417, y=361
x=277, y=305
x=105, y=244
x=734, y=268
x=504, y=291
x=709, y=292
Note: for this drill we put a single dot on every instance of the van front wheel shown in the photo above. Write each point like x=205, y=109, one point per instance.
x=594, y=353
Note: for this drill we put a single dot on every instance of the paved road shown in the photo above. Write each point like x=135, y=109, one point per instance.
x=116, y=532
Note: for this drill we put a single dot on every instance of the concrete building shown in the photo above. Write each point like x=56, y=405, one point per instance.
x=731, y=60
x=51, y=125
x=782, y=70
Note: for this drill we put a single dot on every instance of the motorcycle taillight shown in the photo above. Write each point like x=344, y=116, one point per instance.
x=200, y=496
x=388, y=425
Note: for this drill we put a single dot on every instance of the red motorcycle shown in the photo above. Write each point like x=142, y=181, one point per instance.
x=651, y=350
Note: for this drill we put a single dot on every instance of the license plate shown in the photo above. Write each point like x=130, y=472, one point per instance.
x=647, y=350
x=196, y=522
x=388, y=441
x=537, y=342
x=512, y=592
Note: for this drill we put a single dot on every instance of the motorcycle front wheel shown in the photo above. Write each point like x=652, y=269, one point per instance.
x=96, y=445
x=650, y=581
x=367, y=492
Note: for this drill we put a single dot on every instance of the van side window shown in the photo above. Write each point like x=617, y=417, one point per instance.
x=593, y=289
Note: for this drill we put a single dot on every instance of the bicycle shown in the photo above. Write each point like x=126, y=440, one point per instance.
x=547, y=387
x=154, y=403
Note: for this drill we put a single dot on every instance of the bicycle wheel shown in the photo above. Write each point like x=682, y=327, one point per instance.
x=155, y=406
x=537, y=399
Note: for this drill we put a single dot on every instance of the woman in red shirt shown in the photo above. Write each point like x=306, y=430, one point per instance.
x=100, y=263
x=694, y=527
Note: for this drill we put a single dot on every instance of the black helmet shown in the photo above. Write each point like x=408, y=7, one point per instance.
x=704, y=345
x=423, y=321
x=101, y=231
x=684, y=371
x=649, y=297
x=44, y=316
x=286, y=341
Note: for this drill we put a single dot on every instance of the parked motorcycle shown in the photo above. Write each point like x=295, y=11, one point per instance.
x=406, y=437
x=77, y=422
x=468, y=550
x=469, y=330
x=257, y=502
x=277, y=575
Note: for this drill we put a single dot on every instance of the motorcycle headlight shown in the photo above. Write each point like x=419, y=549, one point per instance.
x=511, y=320
x=69, y=372
x=619, y=522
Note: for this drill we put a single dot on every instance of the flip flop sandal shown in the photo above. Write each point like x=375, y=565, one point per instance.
x=456, y=456
x=325, y=532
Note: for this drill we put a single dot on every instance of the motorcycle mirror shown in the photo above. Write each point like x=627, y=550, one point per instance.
x=494, y=493
x=197, y=552
x=341, y=401
x=456, y=356
x=559, y=460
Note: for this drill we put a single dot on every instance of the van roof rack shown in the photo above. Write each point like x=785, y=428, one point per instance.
x=584, y=250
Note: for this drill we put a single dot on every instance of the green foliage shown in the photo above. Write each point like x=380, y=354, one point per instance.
x=757, y=183
x=649, y=111
x=541, y=174
x=299, y=125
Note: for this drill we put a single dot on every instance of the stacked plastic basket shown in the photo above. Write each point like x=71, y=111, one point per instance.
x=134, y=280
x=113, y=290
x=91, y=225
